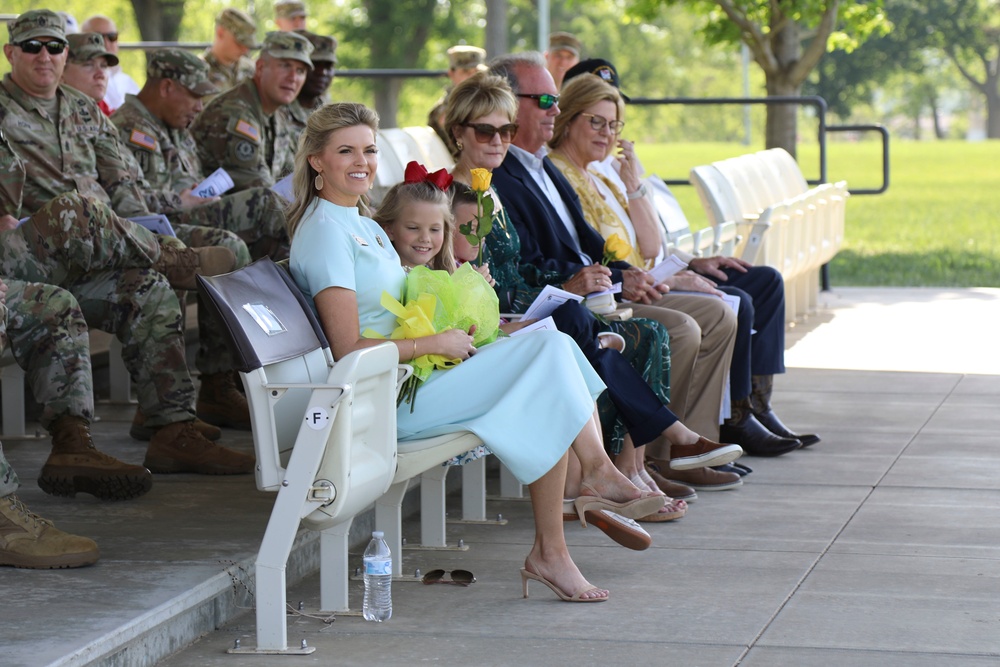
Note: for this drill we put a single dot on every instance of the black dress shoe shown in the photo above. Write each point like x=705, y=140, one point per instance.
x=729, y=467
x=771, y=422
x=756, y=440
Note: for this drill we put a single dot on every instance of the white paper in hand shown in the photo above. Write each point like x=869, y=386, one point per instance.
x=156, y=223
x=284, y=188
x=546, y=302
x=668, y=267
x=546, y=323
x=215, y=185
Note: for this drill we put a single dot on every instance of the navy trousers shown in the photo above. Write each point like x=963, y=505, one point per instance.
x=761, y=291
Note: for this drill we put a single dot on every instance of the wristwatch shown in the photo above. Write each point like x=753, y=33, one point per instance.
x=641, y=192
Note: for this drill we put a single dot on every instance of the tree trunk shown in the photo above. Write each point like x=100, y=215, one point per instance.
x=387, y=100
x=993, y=105
x=496, y=28
x=782, y=119
x=159, y=20
x=936, y=116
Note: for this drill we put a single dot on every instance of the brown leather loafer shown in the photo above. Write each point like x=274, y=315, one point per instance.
x=702, y=479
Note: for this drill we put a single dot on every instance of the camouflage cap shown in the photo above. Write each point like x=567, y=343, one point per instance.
x=240, y=24
x=86, y=46
x=290, y=9
x=565, y=41
x=466, y=57
x=37, y=23
x=324, y=48
x=291, y=45
x=183, y=67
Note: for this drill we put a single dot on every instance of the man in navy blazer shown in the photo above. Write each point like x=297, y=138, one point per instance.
x=555, y=236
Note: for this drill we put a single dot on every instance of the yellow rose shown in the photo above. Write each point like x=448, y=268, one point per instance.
x=481, y=179
x=616, y=249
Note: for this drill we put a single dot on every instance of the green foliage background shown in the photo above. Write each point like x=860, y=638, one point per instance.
x=938, y=224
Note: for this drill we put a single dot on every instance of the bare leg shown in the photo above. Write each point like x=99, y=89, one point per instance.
x=549, y=556
x=679, y=434
x=626, y=458
x=597, y=471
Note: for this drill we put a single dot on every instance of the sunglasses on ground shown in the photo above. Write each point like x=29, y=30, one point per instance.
x=545, y=101
x=485, y=132
x=34, y=46
x=598, y=123
x=458, y=577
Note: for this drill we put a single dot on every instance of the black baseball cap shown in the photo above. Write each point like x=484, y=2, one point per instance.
x=597, y=67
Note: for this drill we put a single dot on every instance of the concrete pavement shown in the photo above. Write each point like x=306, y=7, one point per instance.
x=878, y=546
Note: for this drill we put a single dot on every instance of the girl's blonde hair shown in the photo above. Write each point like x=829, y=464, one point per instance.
x=322, y=123
x=581, y=93
x=402, y=195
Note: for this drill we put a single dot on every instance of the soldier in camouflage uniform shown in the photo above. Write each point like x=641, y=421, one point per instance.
x=136, y=304
x=26, y=539
x=228, y=64
x=315, y=91
x=290, y=15
x=219, y=401
x=240, y=130
x=153, y=125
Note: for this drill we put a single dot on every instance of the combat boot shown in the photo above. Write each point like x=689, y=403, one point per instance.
x=179, y=447
x=181, y=265
x=28, y=540
x=76, y=466
x=140, y=431
x=221, y=403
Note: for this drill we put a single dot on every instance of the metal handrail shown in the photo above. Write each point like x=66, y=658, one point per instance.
x=807, y=100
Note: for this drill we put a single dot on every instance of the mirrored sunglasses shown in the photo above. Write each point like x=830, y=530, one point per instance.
x=34, y=46
x=600, y=122
x=485, y=132
x=545, y=101
x=458, y=577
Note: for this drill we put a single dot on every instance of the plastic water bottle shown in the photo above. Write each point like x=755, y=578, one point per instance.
x=378, y=580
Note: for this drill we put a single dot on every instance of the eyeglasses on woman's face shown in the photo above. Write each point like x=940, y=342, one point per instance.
x=545, y=100
x=485, y=132
x=598, y=123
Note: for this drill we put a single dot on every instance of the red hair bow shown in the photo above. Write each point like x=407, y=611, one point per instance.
x=417, y=173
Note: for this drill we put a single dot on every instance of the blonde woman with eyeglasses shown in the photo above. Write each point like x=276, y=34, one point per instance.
x=588, y=128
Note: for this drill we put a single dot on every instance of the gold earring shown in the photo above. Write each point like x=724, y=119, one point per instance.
x=318, y=182
x=459, y=144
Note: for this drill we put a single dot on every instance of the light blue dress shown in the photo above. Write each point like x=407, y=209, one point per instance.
x=526, y=397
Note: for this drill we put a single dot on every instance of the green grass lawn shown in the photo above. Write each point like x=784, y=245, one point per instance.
x=938, y=225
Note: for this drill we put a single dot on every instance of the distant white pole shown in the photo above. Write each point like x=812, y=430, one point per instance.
x=745, y=53
x=543, y=25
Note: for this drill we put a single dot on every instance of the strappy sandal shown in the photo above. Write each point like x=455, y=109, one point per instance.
x=648, y=503
x=576, y=597
x=622, y=530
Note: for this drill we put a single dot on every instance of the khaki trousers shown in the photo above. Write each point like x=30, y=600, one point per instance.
x=702, y=333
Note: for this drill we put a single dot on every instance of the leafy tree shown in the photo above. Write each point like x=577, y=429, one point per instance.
x=786, y=39
x=968, y=31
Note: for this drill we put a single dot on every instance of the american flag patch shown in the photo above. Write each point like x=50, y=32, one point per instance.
x=247, y=130
x=142, y=140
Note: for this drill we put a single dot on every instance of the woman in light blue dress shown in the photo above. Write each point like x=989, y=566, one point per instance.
x=528, y=398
